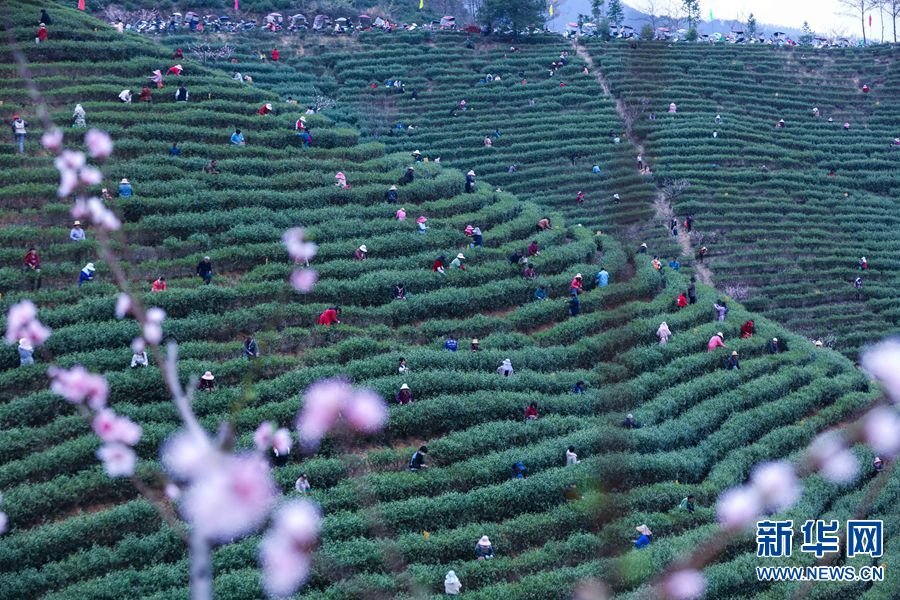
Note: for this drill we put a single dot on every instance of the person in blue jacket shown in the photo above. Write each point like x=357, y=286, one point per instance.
x=450, y=344
x=540, y=294
x=645, y=538
x=574, y=305
x=125, y=189
x=86, y=274
x=518, y=470
x=237, y=138
x=602, y=278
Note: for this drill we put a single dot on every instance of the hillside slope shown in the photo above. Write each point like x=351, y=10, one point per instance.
x=76, y=534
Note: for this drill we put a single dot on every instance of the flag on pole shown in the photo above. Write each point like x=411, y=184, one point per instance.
x=870, y=21
x=421, y=4
x=710, y=16
x=551, y=9
x=237, y=5
x=80, y=4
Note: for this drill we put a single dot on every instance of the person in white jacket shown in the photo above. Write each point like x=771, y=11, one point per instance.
x=452, y=584
x=663, y=333
x=505, y=369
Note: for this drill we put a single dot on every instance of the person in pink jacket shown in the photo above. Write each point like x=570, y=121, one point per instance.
x=716, y=341
x=401, y=214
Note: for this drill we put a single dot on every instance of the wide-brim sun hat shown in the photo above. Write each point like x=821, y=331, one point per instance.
x=77, y=223
x=484, y=541
x=416, y=152
x=644, y=530
x=422, y=219
x=208, y=376
x=393, y=187
x=404, y=386
x=268, y=106
x=363, y=248
x=471, y=173
x=124, y=180
x=475, y=341
x=720, y=334
x=579, y=276
x=734, y=353
x=460, y=256
x=26, y=344
x=630, y=416
x=90, y=267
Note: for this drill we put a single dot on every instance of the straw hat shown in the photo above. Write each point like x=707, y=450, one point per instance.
x=124, y=180
x=363, y=248
x=460, y=256
x=643, y=529
x=475, y=341
x=26, y=344
x=720, y=334
x=734, y=353
x=77, y=223
x=268, y=106
x=90, y=267
x=208, y=376
x=578, y=276
x=404, y=387
x=472, y=173
x=416, y=153
x=393, y=187
x=484, y=541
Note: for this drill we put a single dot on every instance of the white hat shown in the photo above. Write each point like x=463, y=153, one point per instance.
x=644, y=530
x=734, y=353
x=578, y=276
x=630, y=416
x=774, y=339
x=460, y=256
x=268, y=106
x=363, y=248
x=208, y=376
x=26, y=344
x=470, y=173
x=90, y=267
x=404, y=387
x=393, y=187
x=484, y=541
x=475, y=340
x=124, y=180
x=719, y=333
x=76, y=223
x=416, y=152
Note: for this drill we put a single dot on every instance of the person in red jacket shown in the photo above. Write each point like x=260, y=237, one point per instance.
x=178, y=53
x=41, y=34
x=531, y=413
x=175, y=70
x=331, y=316
x=580, y=198
x=576, y=286
x=32, y=260
x=264, y=109
x=682, y=301
x=275, y=54
x=160, y=285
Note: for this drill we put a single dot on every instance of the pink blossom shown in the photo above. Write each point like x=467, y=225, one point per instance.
x=685, y=584
x=230, y=497
x=777, y=484
x=285, y=549
x=94, y=210
x=366, y=412
x=173, y=492
x=4, y=522
x=297, y=248
x=118, y=459
x=156, y=315
x=21, y=322
x=123, y=305
x=138, y=345
x=186, y=455
x=153, y=333
x=78, y=386
x=304, y=280
x=882, y=361
x=832, y=459
x=739, y=507
x=322, y=404
x=262, y=437
x=99, y=144
x=882, y=431
x=69, y=160
x=68, y=182
x=282, y=441
x=52, y=140
x=113, y=428
x=90, y=176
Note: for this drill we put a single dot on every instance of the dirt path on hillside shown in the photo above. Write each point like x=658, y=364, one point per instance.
x=662, y=206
